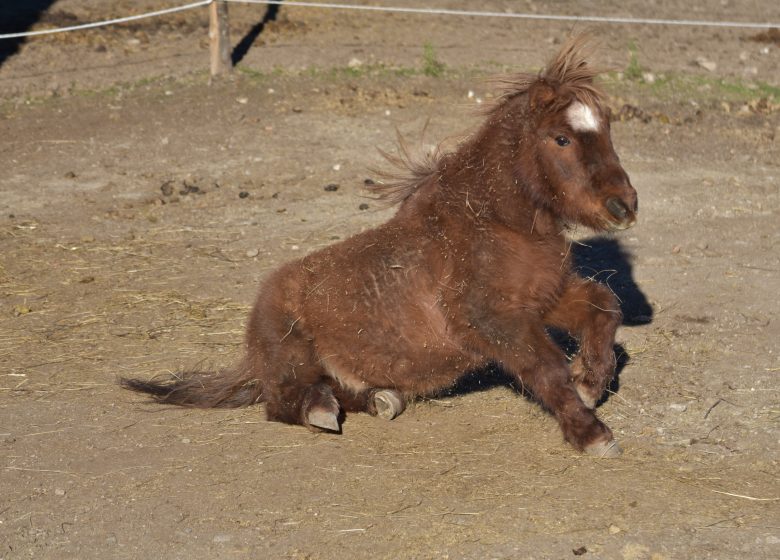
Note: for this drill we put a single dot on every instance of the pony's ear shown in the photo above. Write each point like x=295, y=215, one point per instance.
x=540, y=95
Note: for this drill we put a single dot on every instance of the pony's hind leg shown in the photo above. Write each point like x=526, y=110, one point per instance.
x=385, y=403
x=314, y=406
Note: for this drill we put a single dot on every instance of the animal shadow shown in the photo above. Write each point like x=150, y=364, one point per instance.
x=604, y=260
x=16, y=17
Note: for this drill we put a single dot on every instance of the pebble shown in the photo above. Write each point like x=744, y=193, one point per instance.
x=243, y=194
x=222, y=538
x=59, y=492
x=368, y=182
x=185, y=440
x=363, y=206
x=337, y=167
x=354, y=63
x=614, y=529
x=678, y=407
x=243, y=100
x=708, y=65
x=167, y=188
x=333, y=187
x=252, y=253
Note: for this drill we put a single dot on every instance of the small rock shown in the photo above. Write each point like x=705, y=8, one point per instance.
x=222, y=538
x=354, y=63
x=243, y=194
x=678, y=407
x=676, y=249
x=333, y=187
x=708, y=65
x=70, y=175
x=648, y=77
x=363, y=206
x=252, y=253
x=243, y=100
x=59, y=492
x=368, y=182
x=614, y=529
x=185, y=440
x=297, y=109
x=167, y=188
x=579, y=551
x=87, y=280
x=337, y=167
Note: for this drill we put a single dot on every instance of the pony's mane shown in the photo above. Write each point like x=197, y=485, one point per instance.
x=568, y=71
x=409, y=171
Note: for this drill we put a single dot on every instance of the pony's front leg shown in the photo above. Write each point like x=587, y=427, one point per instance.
x=591, y=313
x=538, y=364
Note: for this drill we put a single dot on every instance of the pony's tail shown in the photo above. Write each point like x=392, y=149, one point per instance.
x=197, y=389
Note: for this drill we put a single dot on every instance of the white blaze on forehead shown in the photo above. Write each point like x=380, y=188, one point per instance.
x=582, y=118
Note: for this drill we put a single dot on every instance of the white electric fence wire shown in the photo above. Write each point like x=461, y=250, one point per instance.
x=447, y=12
x=399, y=9
x=107, y=22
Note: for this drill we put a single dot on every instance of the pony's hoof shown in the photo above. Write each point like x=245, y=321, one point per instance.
x=323, y=419
x=604, y=449
x=388, y=404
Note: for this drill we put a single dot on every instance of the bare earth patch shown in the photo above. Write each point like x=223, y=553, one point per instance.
x=140, y=206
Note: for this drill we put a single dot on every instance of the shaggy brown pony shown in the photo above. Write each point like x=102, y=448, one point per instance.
x=472, y=270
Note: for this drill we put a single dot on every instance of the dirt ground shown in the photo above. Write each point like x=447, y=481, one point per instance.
x=140, y=206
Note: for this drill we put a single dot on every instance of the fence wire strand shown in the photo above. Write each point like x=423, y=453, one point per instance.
x=405, y=10
x=107, y=22
x=517, y=15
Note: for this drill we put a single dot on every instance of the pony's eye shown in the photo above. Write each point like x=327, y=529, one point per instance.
x=562, y=141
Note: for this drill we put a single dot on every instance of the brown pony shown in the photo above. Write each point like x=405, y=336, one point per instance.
x=472, y=270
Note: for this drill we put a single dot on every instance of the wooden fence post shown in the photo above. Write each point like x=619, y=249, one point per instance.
x=219, y=38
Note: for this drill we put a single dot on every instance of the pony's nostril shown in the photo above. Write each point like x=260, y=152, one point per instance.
x=617, y=208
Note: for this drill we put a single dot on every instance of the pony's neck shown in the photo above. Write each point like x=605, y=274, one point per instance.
x=485, y=181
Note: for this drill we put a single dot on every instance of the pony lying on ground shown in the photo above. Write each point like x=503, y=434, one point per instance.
x=471, y=271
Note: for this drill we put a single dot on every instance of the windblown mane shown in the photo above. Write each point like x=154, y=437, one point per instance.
x=569, y=71
x=409, y=172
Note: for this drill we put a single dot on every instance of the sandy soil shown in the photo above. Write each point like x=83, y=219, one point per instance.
x=140, y=206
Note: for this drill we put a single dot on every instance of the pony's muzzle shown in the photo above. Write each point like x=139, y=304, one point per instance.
x=624, y=217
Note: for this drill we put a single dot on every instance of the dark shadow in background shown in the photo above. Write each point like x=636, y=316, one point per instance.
x=603, y=259
x=239, y=52
x=17, y=16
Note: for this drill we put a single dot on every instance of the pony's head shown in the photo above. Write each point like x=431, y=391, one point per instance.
x=566, y=154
